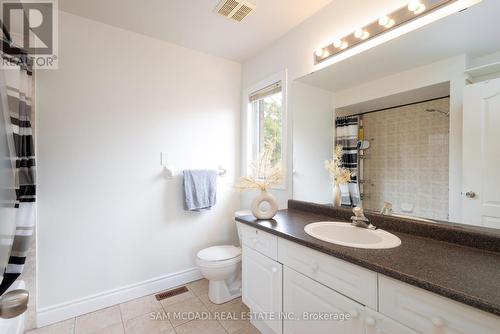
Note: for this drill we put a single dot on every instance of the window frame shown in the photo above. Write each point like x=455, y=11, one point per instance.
x=251, y=131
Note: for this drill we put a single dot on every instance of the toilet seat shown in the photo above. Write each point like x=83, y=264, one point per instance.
x=219, y=253
x=218, y=264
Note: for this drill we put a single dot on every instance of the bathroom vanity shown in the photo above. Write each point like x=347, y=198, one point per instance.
x=441, y=279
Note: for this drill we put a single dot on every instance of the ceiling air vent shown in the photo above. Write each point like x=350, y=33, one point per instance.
x=234, y=9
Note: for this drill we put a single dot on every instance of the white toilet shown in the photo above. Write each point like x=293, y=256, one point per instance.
x=221, y=266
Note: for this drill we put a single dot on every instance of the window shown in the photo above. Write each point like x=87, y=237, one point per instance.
x=266, y=114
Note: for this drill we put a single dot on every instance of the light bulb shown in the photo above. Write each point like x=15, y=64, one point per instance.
x=390, y=24
x=366, y=34
x=319, y=52
x=420, y=9
x=358, y=33
x=326, y=53
x=384, y=20
x=344, y=45
x=337, y=43
x=414, y=5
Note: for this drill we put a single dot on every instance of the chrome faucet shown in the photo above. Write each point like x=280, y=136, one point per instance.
x=359, y=219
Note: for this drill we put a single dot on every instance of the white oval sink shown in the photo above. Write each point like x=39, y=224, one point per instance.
x=345, y=234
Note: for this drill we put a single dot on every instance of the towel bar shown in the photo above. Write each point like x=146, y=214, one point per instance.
x=170, y=173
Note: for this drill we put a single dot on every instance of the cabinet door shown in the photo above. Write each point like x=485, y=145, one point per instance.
x=426, y=312
x=262, y=287
x=376, y=323
x=311, y=307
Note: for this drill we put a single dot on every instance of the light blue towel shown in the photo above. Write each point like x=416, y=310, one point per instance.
x=200, y=189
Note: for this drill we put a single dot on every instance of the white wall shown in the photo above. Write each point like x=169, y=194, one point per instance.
x=110, y=226
x=312, y=112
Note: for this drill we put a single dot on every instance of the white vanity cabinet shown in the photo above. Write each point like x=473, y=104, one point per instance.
x=283, y=277
x=377, y=323
x=261, y=241
x=263, y=289
x=428, y=313
x=350, y=280
x=318, y=309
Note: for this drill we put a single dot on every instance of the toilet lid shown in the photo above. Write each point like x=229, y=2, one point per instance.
x=219, y=253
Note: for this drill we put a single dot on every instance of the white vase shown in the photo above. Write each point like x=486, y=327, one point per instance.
x=263, y=197
x=336, y=196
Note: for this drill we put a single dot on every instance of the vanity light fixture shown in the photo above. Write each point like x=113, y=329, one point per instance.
x=390, y=24
x=415, y=6
x=386, y=21
x=319, y=52
x=416, y=14
x=359, y=33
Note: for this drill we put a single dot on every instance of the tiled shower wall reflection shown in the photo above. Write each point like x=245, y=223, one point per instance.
x=407, y=162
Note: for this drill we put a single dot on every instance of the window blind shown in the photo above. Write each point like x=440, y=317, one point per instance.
x=265, y=92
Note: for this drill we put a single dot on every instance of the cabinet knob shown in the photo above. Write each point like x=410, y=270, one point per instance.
x=274, y=269
x=370, y=322
x=354, y=314
x=470, y=194
x=437, y=321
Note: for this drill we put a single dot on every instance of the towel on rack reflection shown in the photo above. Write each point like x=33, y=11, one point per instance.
x=200, y=189
x=350, y=194
x=344, y=193
x=355, y=194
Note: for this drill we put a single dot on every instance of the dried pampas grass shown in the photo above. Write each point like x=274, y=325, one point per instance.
x=337, y=173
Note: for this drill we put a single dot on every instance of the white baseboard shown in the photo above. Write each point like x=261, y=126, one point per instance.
x=67, y=310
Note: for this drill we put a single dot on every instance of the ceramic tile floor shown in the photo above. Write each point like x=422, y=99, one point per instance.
x=136, y=317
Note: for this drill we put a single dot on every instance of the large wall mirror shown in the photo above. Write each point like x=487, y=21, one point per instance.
x=418, y=119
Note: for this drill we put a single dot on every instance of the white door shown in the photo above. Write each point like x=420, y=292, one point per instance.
x=318, y=309
x=377, y=323
x=481, y=154
x=262, y=288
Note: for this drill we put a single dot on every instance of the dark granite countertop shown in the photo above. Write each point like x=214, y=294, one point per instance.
x=462, y=273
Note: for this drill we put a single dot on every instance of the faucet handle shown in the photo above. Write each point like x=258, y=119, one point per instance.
x=358, y=211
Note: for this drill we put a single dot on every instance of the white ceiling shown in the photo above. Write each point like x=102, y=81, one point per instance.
x=474, y=32
x=193, y=23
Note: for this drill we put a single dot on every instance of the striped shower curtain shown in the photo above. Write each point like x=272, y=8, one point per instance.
x=19, y=96
x=347, y=135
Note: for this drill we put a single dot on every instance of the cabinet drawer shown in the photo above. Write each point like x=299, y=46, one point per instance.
x=305, y=299
x=377, y=323
x=261, y=241
x=427, y=312
x=358, y=283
